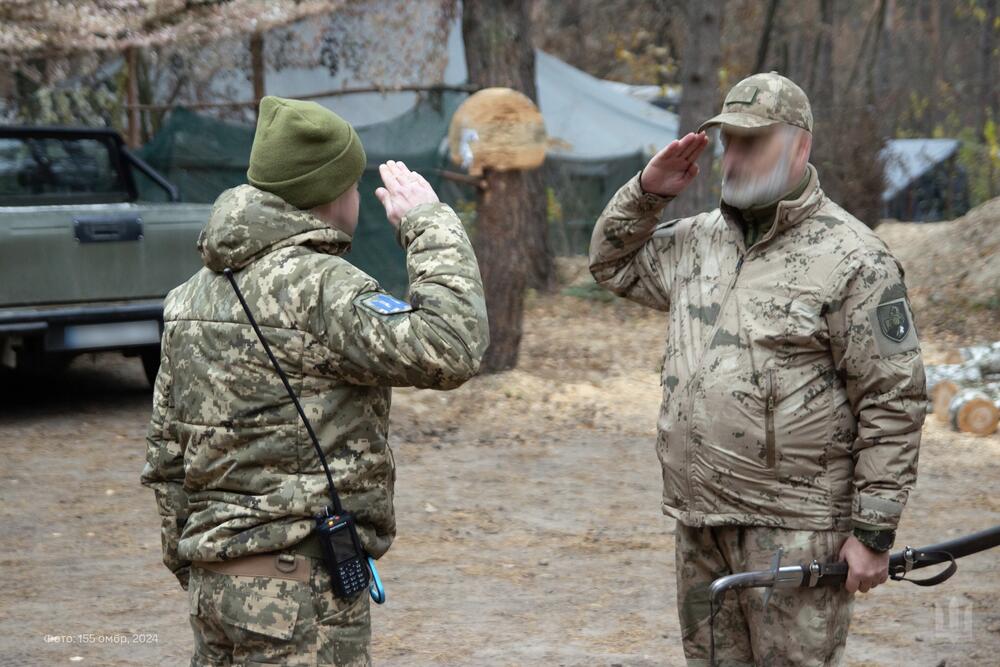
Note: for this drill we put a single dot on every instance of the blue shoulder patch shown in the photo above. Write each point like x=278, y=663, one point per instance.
x=385, y=304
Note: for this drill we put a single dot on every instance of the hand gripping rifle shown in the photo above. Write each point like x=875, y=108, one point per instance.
x=835, y=574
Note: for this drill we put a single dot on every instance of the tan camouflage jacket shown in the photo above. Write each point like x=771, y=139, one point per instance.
x=232, y=466
x=793, y=387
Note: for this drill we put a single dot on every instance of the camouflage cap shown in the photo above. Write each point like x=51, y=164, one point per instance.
x=760, y=101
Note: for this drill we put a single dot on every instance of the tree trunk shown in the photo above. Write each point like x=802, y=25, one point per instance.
x=503, y=262
x=765, y=36
x=821, y=79
x=878, y=28
x=700, y=97
x=511, y=226
x=988, y=98
x=257, y=68
x=132, y=96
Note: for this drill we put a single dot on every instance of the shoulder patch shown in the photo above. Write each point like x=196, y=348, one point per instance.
x=893, y=327
x=385, y=304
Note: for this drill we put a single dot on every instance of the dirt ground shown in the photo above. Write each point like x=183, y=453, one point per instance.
x=528, y=508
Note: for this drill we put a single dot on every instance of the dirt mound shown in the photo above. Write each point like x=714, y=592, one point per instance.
x=952, y=271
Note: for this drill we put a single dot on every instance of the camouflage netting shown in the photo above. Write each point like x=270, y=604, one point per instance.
x=204, y=156
x=33, y=29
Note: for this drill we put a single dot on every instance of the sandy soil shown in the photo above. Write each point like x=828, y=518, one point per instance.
x=529, y=523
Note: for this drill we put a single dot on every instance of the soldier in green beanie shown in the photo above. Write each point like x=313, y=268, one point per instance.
x=237, y=480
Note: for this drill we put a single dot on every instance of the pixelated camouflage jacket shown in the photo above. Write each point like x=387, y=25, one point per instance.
x=231, y=463
x=793, y=387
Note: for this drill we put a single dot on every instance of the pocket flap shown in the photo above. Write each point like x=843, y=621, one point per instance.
x=262, y=614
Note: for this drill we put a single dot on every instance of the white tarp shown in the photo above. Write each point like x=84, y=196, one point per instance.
x=589, y=120
x=906, y=160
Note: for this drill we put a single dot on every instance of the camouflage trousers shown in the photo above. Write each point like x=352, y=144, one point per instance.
x=800, y=627
x=241, y=620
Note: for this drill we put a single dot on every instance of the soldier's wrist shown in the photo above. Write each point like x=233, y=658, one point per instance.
x=415, y=219
x=879, y=540
x=652, y=199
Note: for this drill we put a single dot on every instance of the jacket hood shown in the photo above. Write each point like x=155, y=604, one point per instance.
x=247, y=223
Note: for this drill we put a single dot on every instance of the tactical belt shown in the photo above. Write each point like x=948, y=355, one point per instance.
x=293, y=563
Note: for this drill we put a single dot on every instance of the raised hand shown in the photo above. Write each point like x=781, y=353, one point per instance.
x=673, y=168
x=403, y=190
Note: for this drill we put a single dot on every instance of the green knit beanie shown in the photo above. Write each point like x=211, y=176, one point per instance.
x=303, y=152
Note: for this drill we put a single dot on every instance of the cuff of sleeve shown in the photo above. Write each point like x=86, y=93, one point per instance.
x=647, y=201
x=876, y=513
x=876, y=540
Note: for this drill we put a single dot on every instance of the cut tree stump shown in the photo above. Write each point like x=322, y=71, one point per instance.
x=499, y=129
x=973, y=411
x=941, y=396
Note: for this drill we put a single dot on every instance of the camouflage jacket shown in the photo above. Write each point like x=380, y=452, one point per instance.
x=793, y=387
x=232, y=466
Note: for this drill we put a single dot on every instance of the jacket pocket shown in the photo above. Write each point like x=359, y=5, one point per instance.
x=769, y=404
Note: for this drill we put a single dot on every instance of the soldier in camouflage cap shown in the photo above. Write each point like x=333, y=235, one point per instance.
x=237, y=480
x=793, y=387
x=761, y=101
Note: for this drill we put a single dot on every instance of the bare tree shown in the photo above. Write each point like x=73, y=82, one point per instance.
x=988, y=97
x=819, y=83
x=700, y=101
x=765, y=36
x=511, y=236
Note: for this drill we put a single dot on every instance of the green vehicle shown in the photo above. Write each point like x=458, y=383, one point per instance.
x=84, y=263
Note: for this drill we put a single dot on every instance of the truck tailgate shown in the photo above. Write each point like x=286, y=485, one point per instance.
x=74, y=254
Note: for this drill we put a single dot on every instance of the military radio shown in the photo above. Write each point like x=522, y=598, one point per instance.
x=343, y=553
x=350, y=567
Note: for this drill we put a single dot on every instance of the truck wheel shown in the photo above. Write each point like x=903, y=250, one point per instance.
x=151, y=364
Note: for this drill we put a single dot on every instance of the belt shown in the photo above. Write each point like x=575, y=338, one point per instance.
x=293, y=563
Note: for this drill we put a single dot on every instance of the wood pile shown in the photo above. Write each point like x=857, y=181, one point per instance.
x=967, y=395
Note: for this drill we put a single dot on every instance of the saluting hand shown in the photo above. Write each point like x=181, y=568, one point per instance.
x=670, y=170
x=403, y=190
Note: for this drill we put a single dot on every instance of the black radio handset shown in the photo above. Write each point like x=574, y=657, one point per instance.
x=343, y=554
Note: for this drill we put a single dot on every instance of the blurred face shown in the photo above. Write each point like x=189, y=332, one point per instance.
x=342, y=212
x=761, y=167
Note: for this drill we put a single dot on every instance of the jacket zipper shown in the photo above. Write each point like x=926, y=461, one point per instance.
x=769, y=419
x=696, y=376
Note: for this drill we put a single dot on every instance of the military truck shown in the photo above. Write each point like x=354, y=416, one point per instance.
x=85, y=261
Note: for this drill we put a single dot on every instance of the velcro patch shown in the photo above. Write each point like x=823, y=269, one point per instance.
x=386, y=304
x=892, y=325
x=742, y=95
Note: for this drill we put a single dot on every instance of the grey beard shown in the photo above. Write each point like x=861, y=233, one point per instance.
x=755, y=190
